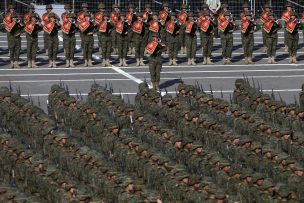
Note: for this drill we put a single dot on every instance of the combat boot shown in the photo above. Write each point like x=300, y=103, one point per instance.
x=185, y=50
x=224, y=61
x=189, y=61
x=265, y=49
x=157, y=86
x=229, y=61
x=133, y=50
x=124, y=62
x=170, y=62
x=85, y=63
x=129, y=51
x=72, y=64
x=16, y=64
x=100, y=51
x=29, y=64
x=273, y=60
x=209, y=62
x=205, y=61
x=141, y=62
x=54, y=64
x=120, y=62
x=269, y=60
x=34, y=64
x=104, y=63
x=108, y=62
x=46, y=52
x=154, y=85
x=137, y=62
x=193, y=61
x=246, y=61
x=12, y=64
x=250, y=60
x=295, y=59
x=50, y=64
x=174, y=62
x=90, y=64
x=286, y=48
x=67, y=64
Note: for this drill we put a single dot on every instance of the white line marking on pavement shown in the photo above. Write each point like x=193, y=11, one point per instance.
x=58, y=80
x=131, y=77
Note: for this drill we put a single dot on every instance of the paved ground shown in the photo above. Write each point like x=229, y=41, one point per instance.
x=283, y=78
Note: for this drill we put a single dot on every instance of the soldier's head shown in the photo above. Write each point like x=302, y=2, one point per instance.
x=154, y=16
x=258, y=179
x=101, y=7
x=268, y=187
x=298, y=170
x=113, y=127
x=246, y=7
x=87, y=16
x=173, y=16
x=11, y=8
x=271, y=16
x=267, y=7
x=288, y=6
x=49, y=8
x=227, y=15
x=67, y=8
x=147, y=7
x=293, y=15
x=139, y=16
x=131, y=8
x=85, y=7
x=225, y=7
x=122, y=16
x=116, y=8
x=248, y=15
x=184, y=7
x=177, y=142
x=61, y=138
x=166, y=6
x=34, y=17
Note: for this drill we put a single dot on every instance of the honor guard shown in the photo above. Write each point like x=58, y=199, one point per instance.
x=64, y=19
x=246, y=9
x=131, y=17
x=271, y=28
x=285, y=18
x=122, y=30
x=138, y=28
x=173, y=29
x=302, y=21
x=8, y=15
x=221, y=16
x=191, y=38
x=292, y=28
x=28, y=15
x=52, y=28
x=182, y=18
x=248, y=27
x=147, y=17
x=114, y=17
x=32, y=28
x=264, y=18
x=164, y=17
x=155, y=49
x=154, y=27
x=14, y=29
x=81, y=18
x=98, y=19
x=105, y=29
x=87, y=28
x=207, y=26
x=69, y=28
x=227, y=27
x=45, y=20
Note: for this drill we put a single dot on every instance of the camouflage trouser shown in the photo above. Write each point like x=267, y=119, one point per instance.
x=248, y=44
x=182, y=35
x=264, y=37
x=292, y=43
x=173, y=45
x=139, y=46
x=131, y=39
x=122, y=43
x=88, y=45
x=191, y=43
x=207, y=44
x=151, y=35
x=163, y=34
x=14, y=45
x=155, y=66
x=69, y=44
x=45, y=41
x=106, y=45
x=31, y=47
x=99, y=39
x=271, y=43
x=114, y=38
x=227, y=44
x=53, y=43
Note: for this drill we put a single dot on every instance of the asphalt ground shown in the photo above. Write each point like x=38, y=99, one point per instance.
x=283, y=79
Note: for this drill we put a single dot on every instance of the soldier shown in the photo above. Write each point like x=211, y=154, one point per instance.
x=105, y=29
x=182, y=18
x=207, y=33
x=45, y=20
x=147, y=18
x=99, y=17
x=248, y=28
x=28, y=15
x=138, y=29
x=191, y=38
x=14, y=30
x=122, y=31
x=69, y=28
x=164, y=17
x=64, y=19
x=8, y=15
x=81, y=18
x=271, y=27
x=173, y=29
x=264, y=18
x=32, y=28
x=246, y=9
x=292, y=36
x=227, y=27
x=285, y=18
x=87, y=28
x=154, y=27
x=52, y=28
x=114, y=17
x=155, y=49
x=131, y=18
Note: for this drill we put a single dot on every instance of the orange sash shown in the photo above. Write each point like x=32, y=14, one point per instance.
x=10, y=26
x=49, y=27
x=114, y=17
x=150, y=48
x=245, y=25
x=120, y=26
x=154, y=27
x=268, y=25
x=189, y=26
x=290, y=26
x=27, y=18
x=103, y=26
x=264, y=16
x=221, y=17
x=84, y=26
x=137, y=27
x=205, y=25
x=98, y=17
x=80, y=17
x=286, y=16
x=7, y=19
x=66, y=27
x=29, y=27
x=64, y=18
x=146, y=15
x=170, y=27
x=129, y=17
x=163, y=16
x=45, y=18
x=182, y=17
x=223, y=25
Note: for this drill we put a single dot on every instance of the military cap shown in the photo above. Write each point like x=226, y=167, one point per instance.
x=220, y=195
x=60, y=135
x=101, y=6
x=298, y=167
x=257, y=176
x=176, y=138
x=67, y=6
x=196, y=144
x=245, y=139
x=11, y=6
x=147, y=5
x=248, y=13
x=224, y=164
x=131, y=6
x=50, y=170
x=266, y=148
x=111, y=125
x=245, y=5
x=267, y=184
x=182, y=176
x=266, y=6
x=167, y=97
x=206, y=13
x=84, y=150
x=87, y=14
x=165, y=4
x=184, y=6
x=84, y=5
x=239, y=81
x=205, y=6
x=181, y=87
x=52, y=15
x=284, y=191
x=247, y=173
x=122, y=13
x=47, y=130
x=255, y=146
x=227, y=13
x=49, y=6
x=55, y=87
x=37, y=160
x=162, y=160
x=210, y=123
x=193, y=114
x=115, y=6
x=71, y=15
x=225, y=6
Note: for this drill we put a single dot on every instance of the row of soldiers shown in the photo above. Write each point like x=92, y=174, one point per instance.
x=130, y=32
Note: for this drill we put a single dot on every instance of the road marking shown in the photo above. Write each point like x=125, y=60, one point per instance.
x=58, y=80
x=131, y=77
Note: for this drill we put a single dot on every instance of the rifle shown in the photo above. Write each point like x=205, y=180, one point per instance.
x=10, y=86
x=211, y=90
x=222, y=96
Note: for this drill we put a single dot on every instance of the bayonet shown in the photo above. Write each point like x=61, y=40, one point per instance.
x=10, y=86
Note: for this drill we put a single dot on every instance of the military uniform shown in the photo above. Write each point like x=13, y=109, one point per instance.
x=114, y=18
x=81, y=19
x=292, y=37
x=105, y=30
x=69, y=28
x=45, y=20
x=99, y=17
x=182, y=18
x=122, y=31
x=139, y=30
x=164, y=17
x=191, y=28
x=264, y=18
x=173, y=29
x=248, y=28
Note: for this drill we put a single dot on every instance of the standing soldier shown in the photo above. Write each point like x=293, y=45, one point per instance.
x=81, y=18
x=52, y=28
x=227, y=28
x=292, y=28
x=302, y=21
x=69, y=28
x=122, y=30
x=164, y=17
x=207, y=26
x=246, y=9
x=8, y=16
x=106, y=28
x=14, y=30
x=99, y=16
x=45, y=20
x=32, y=28
x=87, y=28
x=147, y=18
x=114, y=17
x=173, y=29
x=285, y=19
x=154, y=27
x=182, y=18
x=27, y=17
x=64, y=19
x=264, y=18
x=131, y=17
x=138, y=34
x=248, y=27
x=271, y=27
x=191, y=38
x=155, y=49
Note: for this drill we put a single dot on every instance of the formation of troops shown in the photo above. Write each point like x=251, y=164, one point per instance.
x=132, y=32
x=188, y=148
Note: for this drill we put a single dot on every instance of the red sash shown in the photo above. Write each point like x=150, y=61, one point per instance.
x=137, y=27
x=205, y=25
x=7, y=19
x=66, y=27
x=286, y=16
x=182, y=17
x=221, y=17
x=129, y=17
x=303, y=16
x=243, y=17
x=29, y=27
x=64, y=18
x=189, y=26
x=245, y=25
x=49, y=27
x=290, y=26
x=103, y=26
x=114, y=17
x=223, y=25
x=119, y=27
x=98, y=17
x=264, y=16
x=10, y=26
x=80, y=17
x=154, y=27
x=84, y=26
x=45, y=18
x=146, y=15
x=268, y=25
x=151, y=46
x=170, y=27
x=163, y=16
x=27, y=18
